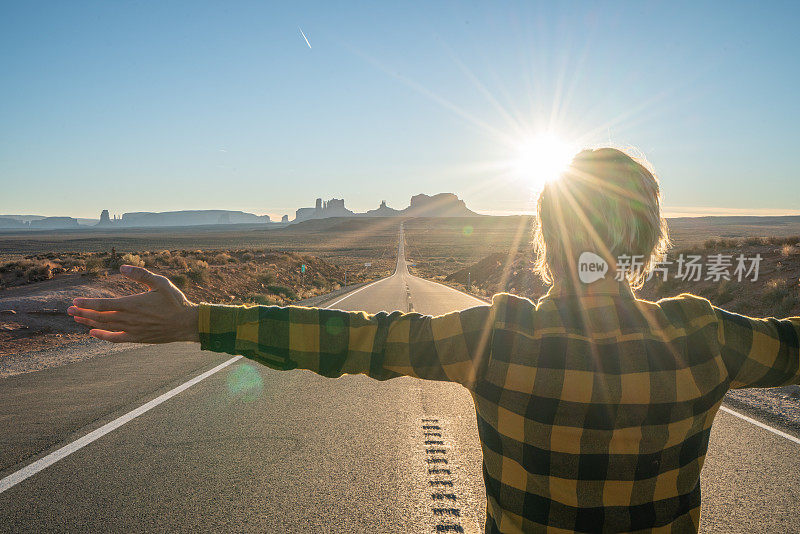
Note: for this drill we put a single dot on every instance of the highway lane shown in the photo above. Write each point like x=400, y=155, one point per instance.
x=750, y=480
x=248, y=448
x=251, y=449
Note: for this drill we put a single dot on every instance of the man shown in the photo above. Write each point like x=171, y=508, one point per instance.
x=594, y=408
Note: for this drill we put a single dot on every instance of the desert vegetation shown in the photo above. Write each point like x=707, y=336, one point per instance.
x=348, y=243
x=236, y=276
x=472, y=254
x=41, y=272
x=775, y=291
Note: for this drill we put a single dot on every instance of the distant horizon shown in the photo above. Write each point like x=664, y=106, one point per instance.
x=275, y=216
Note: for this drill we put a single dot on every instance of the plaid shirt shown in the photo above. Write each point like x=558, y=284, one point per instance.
x=594, y=408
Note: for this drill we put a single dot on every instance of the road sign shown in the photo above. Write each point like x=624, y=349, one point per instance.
x=303, y=268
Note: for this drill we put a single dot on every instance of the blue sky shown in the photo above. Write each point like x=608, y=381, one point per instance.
x=151, y=106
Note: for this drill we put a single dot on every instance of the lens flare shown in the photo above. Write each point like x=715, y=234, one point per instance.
x=244, y=382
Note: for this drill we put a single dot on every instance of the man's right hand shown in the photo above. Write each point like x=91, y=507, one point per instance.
x=161, y=315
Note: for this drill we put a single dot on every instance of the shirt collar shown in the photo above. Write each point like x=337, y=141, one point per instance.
x=610, y=286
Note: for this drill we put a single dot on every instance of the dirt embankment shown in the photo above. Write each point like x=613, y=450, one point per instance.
x=774, y=292
x=36, y=291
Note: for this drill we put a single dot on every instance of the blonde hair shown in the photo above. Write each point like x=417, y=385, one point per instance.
x=606, y=202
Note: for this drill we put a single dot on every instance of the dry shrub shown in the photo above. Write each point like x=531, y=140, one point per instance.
x=73, y=264
x=776, y=240
x=159, y=258
x=39, y=271
x=150, y=261
x=221, y=259
x=178, y=262
x=284, y=291
x=94, y=265
x=179, y=280
x=721, y=243
x=267, y=277
x=258, y=298
x=788, y=250
x=776, y=288
x=725, y=292
x=781, y=296
x=198, y=271
x=132, y=259
x=17, y=268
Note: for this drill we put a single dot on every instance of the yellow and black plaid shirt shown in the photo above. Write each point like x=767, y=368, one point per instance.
x=594, y=408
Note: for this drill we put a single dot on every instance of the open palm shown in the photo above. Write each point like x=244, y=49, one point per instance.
x=160, y=315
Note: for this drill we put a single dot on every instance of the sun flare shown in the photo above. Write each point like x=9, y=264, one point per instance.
x=542, y=159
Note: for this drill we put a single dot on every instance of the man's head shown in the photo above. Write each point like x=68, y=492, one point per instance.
x=606, y=202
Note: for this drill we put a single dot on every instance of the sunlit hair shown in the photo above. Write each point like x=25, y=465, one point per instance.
x=606, y=202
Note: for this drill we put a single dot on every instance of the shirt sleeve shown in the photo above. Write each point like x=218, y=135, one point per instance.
x=450, y=347
x=759, y=352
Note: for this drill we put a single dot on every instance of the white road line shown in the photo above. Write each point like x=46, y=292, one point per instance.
x=45, y=462
x=356, y=291
x=761, y=425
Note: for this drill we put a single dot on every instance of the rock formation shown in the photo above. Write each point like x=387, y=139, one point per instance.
x=7, y=222
x=441, y=205
x=191, y=218
x=54, y=223
x=105, y=219
x=322, y=210
x=382, y=211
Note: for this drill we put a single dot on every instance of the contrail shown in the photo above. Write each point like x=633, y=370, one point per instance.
x=304, y=36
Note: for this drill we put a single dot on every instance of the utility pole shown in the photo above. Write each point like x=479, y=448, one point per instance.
x=469, y=279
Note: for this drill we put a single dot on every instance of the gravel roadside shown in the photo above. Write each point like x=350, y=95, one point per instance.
x=74, y=351
x=777, y=407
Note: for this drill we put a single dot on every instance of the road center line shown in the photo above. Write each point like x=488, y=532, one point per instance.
x=31, y=469
x=761, y=425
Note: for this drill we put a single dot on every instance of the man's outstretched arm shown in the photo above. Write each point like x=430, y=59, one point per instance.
x=759, y=353
x=334, y=342
x=449, y=347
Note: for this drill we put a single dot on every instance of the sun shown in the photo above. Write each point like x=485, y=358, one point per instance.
x=542, y=158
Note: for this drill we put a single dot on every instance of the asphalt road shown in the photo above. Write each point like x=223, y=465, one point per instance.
x=251, y=449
